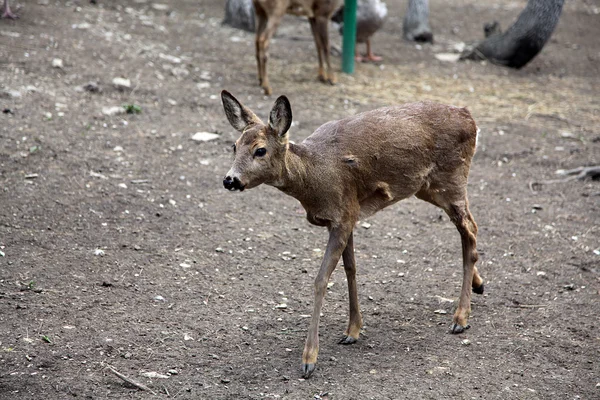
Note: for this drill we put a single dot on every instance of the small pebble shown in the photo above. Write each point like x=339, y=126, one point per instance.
x=170, y=58
x=154, y=374
x=204, y=136
x=91, y=87
x=110, y=111
x=57, y=63
x=121, y=83
x=160, y=7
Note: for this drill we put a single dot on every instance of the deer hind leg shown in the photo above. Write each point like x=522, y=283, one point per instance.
x=477, y=283
x=459, y=214
x=319, y=28
x=355, y=321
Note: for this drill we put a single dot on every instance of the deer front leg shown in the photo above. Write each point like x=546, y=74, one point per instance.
x=338, y=237
x=355, y=321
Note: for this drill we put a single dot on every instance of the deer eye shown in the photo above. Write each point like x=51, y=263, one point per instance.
x=233, y=147
x=260, y=152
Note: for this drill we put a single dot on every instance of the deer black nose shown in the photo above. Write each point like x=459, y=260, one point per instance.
x=232, y=183
x=228, y=183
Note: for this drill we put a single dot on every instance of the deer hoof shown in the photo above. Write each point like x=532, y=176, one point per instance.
x=479, y=289
x=267, y=90
x=307, y=370
x=347, y=340
x=457, y=328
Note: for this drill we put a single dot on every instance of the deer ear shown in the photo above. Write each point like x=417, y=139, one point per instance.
x=238, y=115
x=280, y=118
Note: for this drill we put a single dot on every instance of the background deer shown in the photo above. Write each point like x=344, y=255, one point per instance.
x=354, y=167
x=268, y=16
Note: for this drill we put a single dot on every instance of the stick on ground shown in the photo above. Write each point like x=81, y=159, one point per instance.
x=130, y=381
x=580, y=173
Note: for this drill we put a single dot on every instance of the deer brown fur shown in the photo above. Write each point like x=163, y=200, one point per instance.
x=268, y=17
x=354, y=167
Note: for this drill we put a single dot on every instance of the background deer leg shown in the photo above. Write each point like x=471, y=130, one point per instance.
x=338, y=238
x=355, y=322
x=261, y=24
x=319, y=45
x=320, y=32
x=264, y=33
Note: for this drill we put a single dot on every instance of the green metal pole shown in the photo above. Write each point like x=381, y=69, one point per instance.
x=349, y=41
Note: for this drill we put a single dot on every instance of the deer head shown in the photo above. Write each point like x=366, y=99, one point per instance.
x=260, y=151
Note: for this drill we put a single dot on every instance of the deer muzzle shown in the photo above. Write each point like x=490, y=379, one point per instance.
x=232, y=184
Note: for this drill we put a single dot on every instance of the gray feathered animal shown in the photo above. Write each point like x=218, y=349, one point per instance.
x=415, y=25
x=370, y=17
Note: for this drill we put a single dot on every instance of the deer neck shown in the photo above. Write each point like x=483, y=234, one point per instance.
x=295, y=171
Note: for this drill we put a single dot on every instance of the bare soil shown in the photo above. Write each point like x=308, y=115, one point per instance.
x=120, y=247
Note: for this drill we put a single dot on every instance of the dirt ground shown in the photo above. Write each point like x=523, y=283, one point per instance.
x=119, y=245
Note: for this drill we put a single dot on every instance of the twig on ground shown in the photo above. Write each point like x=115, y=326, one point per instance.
x=580, y=173
x=530, y=306
x=130, y=381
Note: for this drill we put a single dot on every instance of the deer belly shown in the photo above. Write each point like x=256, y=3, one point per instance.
x=380, y=197
x=300, y=11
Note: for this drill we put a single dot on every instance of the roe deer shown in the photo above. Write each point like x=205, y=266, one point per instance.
x=354, y=167
x=268, y=16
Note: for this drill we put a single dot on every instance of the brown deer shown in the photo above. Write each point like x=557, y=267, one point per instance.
x=354, y=167
x=268, y=16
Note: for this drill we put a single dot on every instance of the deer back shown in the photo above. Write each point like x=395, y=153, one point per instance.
x=383, y=156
